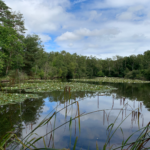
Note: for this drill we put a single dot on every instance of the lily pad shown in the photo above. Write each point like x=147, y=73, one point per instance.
x=9, y=98
x=59, y=86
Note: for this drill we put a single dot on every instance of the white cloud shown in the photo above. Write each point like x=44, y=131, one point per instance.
x=132, y=39
x=78, y=1
x=81, y=33
x=94, y=15
x=45, y=109
x=101, y=28
x=118, y=3
x=44, y=38
x=125, y=16
x=136, y=8
x=67, y=36
x=41, y=16
x=131, y=13
x=70, y=44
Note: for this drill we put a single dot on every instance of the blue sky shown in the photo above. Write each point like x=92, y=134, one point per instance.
x=102, y=28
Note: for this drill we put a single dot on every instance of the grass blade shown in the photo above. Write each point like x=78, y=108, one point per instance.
x=78, y=115
x=97, y=146
x=74, y=147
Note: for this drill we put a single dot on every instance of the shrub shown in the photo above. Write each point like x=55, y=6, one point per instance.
x=100, y=74
x=147, y=74
x=17, y=76
x=132, y=74
x=41, y=74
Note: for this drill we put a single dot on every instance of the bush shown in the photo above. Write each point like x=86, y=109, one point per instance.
x=147, y=74
x=41, y=74
x=132, y=74
x=129, y=75
x=136, y=74
x=100, y=74
x=17, y=76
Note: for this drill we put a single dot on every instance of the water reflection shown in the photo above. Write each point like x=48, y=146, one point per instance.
x=97, y=110
x=12, y=116
x=134, y=92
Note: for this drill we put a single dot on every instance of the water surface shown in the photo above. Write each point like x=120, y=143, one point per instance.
x=98, y=111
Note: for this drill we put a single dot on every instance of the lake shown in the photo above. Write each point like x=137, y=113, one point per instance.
x=129, y=104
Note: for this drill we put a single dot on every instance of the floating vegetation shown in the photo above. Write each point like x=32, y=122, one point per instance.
x=38, y=80
x=113, y=80
x=9, y=98
x=58, y=86
x=39, y=87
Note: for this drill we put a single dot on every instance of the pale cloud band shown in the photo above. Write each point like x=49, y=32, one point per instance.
x=78, y=1
x=83, y=32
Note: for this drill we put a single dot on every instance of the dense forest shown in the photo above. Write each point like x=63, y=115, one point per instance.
x=24, y=55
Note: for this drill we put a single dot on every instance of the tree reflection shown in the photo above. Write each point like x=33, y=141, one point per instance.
x=138, y=92
x=9, y=117
x=12, y=116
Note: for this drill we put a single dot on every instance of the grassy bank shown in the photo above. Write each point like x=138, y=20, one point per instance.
x=111, y=80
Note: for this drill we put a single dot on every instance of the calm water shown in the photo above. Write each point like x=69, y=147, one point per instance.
x=97, y=110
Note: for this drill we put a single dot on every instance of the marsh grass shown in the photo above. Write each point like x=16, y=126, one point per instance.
x=111, y=80
x=138, y=144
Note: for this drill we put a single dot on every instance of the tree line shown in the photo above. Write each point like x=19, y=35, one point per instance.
x=20, y=54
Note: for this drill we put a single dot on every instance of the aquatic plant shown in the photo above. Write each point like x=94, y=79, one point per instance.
x=138, y=144
x=58, y=86
x=12, y=98
x=44, y=80
x=111, y=80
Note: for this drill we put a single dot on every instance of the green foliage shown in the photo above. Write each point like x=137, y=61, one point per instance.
x=11, y=38
x=32, y=46
x=2, y=57
x=100, y=74
x=11, y=46
x=60, y=73
x=132, y=74
x=17, y=76
x=147, y=74
x=41, y=74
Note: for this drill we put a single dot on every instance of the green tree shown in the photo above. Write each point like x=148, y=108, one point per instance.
x=32, y=46
x=147, y=59
x=11, y=37
x=2, y=57
x=10, y=45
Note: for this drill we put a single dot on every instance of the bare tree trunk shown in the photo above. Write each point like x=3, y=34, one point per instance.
x=109, y=70
x=7, y=68
x=132, y=66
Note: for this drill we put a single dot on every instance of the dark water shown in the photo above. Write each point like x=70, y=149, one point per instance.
x=100, y=110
